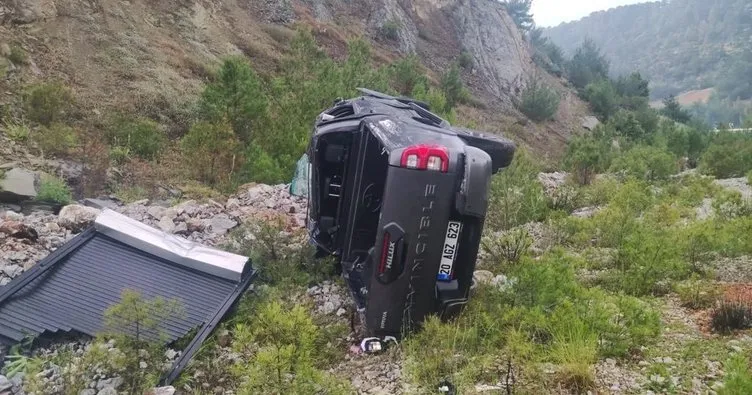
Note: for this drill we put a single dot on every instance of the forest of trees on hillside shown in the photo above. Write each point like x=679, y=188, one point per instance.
x=679, y=45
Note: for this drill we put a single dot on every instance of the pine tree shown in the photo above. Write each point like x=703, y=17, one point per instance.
x=519, y=10
x=674, y=110
x=587, y=65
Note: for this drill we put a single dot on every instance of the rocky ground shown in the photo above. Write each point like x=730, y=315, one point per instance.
x=27, y=238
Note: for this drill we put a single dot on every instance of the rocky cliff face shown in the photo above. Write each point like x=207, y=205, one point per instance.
x=441, y=29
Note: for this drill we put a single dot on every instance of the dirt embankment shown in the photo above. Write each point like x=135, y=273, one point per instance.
x=152, y=58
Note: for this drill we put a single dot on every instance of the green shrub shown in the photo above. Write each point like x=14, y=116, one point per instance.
x=626, y=125
x=508, y=247
x=235, y=96
x=435, y=99
x=586, y=156
x=453, y=88
x=587, y=65
x=575, y=349
x=48, y=102
x=602, y=97
x=390, y=30
x=646, y=163
x=730, y=204
x=540, y=314
x=462, y=360
x=119, y=155
x=131, y=322
x=53, y=189
x=738, y=378
x=566, y=198
x=406, y=74
x=261, y=167
x=539, y=102
x=600, y=191
x=17, y=55
x=516, y=196
x=749, y=178
x=17, y=131
x=697, y=293
x=55, y=139
x=139, y=136
x=279, y=354
x=210, y=151
x=697, y=242
x=465, y=60
x=729, y=155
x=282, y=257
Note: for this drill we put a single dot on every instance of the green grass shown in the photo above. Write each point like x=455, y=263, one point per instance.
x=18, y=132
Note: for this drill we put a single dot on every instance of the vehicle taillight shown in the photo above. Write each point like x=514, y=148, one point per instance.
x=426, y=157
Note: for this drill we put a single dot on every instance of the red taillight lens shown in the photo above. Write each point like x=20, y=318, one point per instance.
x=426, y=157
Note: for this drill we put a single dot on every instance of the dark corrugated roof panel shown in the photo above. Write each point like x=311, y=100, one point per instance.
x=72, y=288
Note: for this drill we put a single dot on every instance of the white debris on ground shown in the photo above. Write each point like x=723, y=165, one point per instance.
x=25, y=240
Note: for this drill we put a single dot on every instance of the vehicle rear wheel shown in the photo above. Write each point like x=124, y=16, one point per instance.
x=500, y=149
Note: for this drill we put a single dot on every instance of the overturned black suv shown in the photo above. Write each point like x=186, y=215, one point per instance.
x=400, y=196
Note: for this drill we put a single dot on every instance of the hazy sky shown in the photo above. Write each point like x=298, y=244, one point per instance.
x=552, y=12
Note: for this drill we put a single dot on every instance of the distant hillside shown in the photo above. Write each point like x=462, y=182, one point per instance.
x=681, y=45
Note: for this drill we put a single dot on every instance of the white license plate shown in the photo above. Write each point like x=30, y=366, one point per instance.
x=449, y=251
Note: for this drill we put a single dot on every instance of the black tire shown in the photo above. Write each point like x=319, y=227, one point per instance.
x=500, y=150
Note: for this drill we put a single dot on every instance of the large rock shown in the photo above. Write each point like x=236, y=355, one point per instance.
x=27, y=11
x=5, y=384
x=18, y=185
x=501, y=61
x=166, y=225
x=221, y=223
x=76, y=217
x=170, y=390
x=18, y=230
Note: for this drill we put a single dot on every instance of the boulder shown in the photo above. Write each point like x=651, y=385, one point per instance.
x=221, y=223
x=166, y=225
x=76, y=218
x=29, y=11
x=483, y=276
x=100, y=204
x=5, y=384
x=18, y=185
x=157, y=212
x=12, y=271
x=170, y=390
x=194, y=225
x=590, y=123
x=18, y=230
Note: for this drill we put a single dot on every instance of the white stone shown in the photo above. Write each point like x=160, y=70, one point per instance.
x=483, y=276
x=166, y=224
x=221, y=223
x=157, y=212
x=76, y=217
